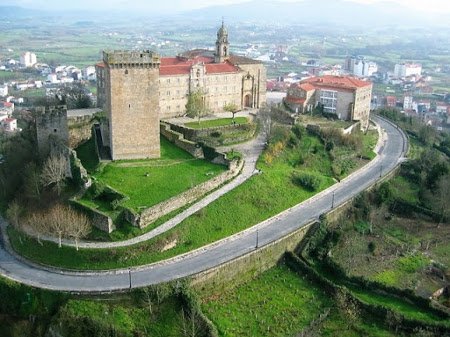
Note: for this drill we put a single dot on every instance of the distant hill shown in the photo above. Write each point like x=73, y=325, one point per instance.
x=16, y=11
x=318, y=11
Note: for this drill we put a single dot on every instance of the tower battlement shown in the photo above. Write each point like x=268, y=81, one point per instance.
x=131, y=59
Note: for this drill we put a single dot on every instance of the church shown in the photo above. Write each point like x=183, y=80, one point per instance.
x=137, y=89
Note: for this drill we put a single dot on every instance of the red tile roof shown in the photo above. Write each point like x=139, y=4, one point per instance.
x=182, y=66
x=335, y=82
x=218, y=68
x=9, y=120
x=100, y=64
x=6, y=104
x=295, y=100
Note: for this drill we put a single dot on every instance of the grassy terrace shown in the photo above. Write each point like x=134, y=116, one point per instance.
x=148, y=182
x=277, y=303
x=212, y=123
x=281, y=303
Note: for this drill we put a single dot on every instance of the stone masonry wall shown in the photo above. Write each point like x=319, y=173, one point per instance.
x=80, y=130
x=178, y=139
x=153, y=213
x=246, y=267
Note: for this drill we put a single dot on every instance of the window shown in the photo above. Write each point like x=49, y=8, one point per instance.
x=328, y=99
x=168, y=93
x=168, y=80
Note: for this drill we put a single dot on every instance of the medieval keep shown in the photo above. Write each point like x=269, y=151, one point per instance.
x=137, y=89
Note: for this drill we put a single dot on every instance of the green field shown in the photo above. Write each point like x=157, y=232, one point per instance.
x=277, y=303
x=124, y=318
x=212, y=123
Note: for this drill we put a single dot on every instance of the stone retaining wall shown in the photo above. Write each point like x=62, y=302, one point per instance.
x=179, y=140
x=153, y=213
x=98, y=219
x=79, y=129
x=243, y=269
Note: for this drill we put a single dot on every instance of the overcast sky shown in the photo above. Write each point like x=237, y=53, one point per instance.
x=442, y=6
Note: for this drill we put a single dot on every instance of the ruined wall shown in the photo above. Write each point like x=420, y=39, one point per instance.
x=51, y=126
x=97, y=218
x=80, y=130
x=178, y=139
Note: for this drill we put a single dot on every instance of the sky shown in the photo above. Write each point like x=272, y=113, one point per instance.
x=437, y=6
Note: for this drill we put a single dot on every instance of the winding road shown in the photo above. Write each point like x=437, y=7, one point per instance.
x=390, y=154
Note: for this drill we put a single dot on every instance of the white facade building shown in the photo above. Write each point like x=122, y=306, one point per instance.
x=28, y=59
x=3, y=90
x=407, y=69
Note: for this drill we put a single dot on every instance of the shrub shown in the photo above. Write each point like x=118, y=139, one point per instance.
x=307, y=181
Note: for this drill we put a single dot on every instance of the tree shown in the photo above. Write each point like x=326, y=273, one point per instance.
x=231, y=107
x=54, y=172
x=39, y=223
x=14, y=213
x=32, y=182
x=75, y=96
x=77, y=226
x=195, y=106
x=57, y=221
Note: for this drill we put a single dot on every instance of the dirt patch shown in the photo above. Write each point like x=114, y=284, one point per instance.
x=170, y=245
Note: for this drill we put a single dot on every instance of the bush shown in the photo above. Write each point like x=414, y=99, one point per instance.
x=307, y=181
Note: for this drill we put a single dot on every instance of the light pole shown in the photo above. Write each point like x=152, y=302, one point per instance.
x=332, y=201
x=257, y=238
x=381, y=169
x=129, y=277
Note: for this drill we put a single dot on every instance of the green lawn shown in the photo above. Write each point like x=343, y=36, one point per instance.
x=212, y=123
x=148, y=182
x=125, y=318
x=277, y=303
x=261, y=197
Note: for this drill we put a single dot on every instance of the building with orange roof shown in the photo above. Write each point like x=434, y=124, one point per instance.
x=345, y=96
x=145, y=86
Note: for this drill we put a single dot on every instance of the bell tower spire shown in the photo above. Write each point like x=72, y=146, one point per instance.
x=222, y=45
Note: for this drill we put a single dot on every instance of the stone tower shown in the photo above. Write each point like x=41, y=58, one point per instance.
x=51, y=128
x=132, y=103
x=222, y=45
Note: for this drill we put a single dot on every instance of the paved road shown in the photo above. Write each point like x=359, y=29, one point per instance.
x=390, y=155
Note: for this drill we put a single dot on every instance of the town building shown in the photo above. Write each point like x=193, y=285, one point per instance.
x=402, y=70
x=137, y=89
x=407, y=102
x=345, y=96
x=358, y=66
x=3, y=90
x=6, y=108
x=28, y=59
x=9, y=124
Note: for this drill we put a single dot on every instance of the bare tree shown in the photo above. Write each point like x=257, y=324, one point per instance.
x=40, y=225
x=14, y=213
x=57, y=220
x=77, y=225
x=54, y=172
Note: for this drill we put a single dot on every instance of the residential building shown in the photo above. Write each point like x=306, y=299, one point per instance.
x=9, y=124
x=28, y=59
x=402, y=70
x=6, y=108
x=391, y=101
x=407, y=102
x=345, y=96
x=3, y=90
x=358, y=66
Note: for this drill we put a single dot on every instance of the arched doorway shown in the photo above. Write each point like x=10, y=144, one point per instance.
x=248, y=101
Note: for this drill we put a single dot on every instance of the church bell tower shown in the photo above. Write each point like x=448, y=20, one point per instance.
x=222, y=45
